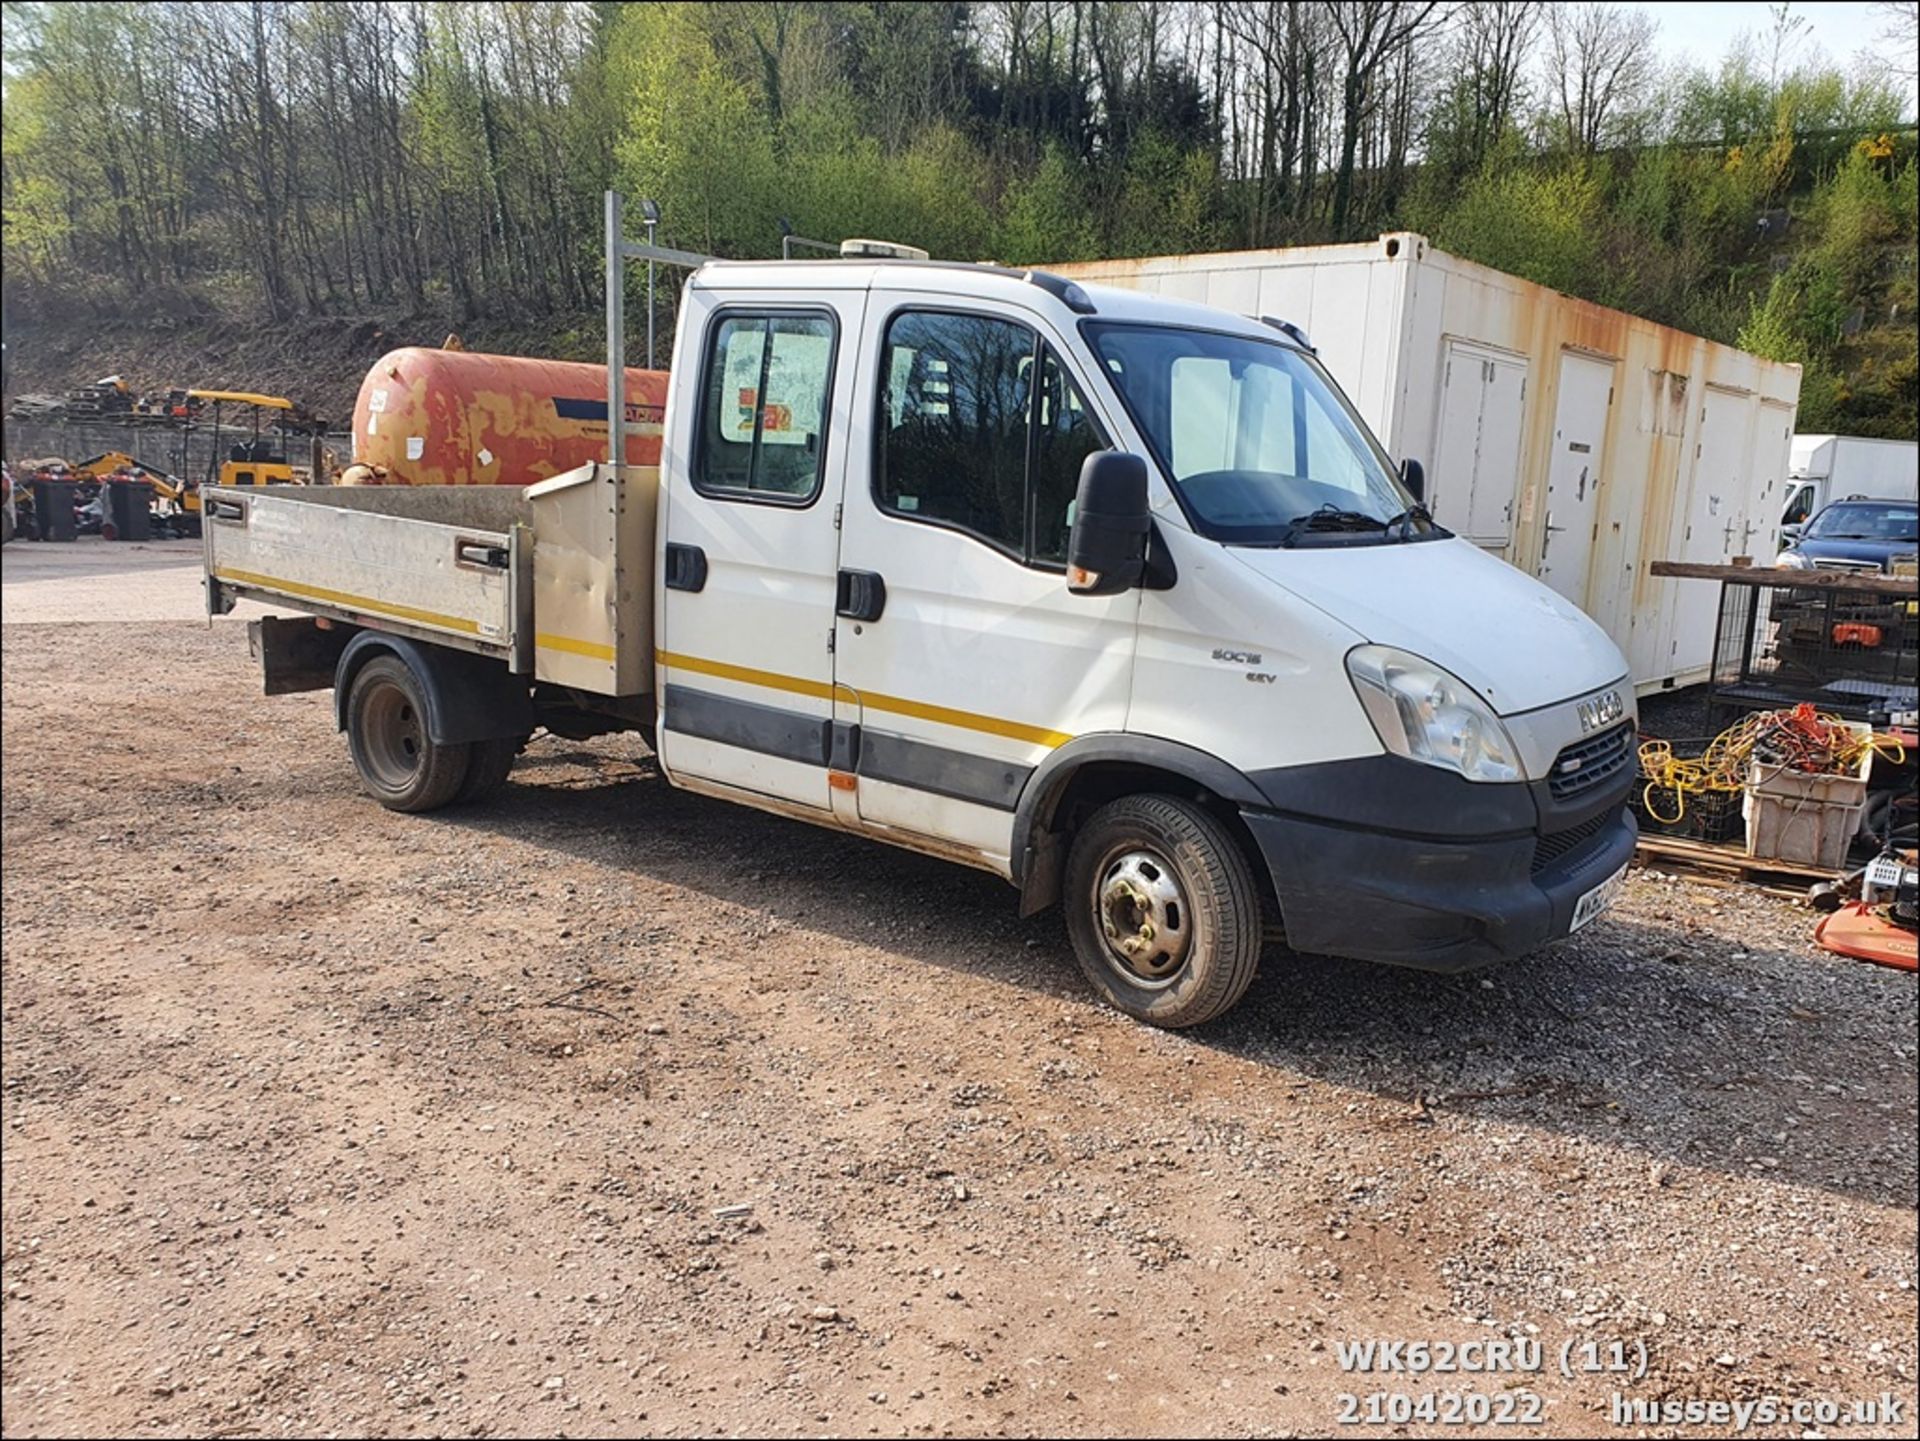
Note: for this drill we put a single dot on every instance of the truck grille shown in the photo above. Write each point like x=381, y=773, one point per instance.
x=1548, y=849
x=1588, y=764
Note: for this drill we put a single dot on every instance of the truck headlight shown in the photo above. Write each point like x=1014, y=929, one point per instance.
x=1793, y=560
x=1430, y=715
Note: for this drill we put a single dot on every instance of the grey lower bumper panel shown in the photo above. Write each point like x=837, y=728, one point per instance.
x=1435, y=904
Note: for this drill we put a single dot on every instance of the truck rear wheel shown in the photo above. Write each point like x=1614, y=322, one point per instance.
x=1163, y=910
x=400, y=765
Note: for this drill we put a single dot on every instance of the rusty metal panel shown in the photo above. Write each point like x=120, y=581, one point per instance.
x=456, y=417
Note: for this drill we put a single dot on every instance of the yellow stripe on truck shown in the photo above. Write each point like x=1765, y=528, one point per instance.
x=966, y=719
x=348, y=601
x=593, y=650
x=772, y=680
x=895, y=705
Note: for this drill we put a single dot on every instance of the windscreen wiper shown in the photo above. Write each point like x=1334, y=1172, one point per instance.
x=1329, y=517
x=1407, y=517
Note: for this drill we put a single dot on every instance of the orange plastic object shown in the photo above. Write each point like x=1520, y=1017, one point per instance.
x=1853, y=632
x=459, y=417
x=1859, y=930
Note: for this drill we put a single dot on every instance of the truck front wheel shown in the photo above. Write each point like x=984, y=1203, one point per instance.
x=1163, y=910
x=400, y=765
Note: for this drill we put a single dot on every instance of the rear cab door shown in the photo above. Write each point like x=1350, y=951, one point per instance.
x=751, y=468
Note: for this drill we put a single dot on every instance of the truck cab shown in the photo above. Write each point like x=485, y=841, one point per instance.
x=1111, y=595
x=870, y=613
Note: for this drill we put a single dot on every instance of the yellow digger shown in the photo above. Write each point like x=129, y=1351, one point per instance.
x=257, y=458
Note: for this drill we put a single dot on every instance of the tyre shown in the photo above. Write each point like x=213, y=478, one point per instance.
x=487, y=765
x=399, y=763
x=1163, y=910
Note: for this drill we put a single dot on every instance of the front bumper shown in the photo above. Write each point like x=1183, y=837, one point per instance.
x=1384, y=860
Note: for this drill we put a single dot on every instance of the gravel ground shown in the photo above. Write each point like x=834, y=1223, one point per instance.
x=610, y=1108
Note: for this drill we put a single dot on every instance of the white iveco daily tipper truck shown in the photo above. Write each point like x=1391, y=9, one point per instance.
x=1111, y=595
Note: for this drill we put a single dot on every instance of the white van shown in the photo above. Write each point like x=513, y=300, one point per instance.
x=1111, y=595
x=1824, y=468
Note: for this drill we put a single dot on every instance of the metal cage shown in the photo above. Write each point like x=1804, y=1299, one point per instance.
x=1855, y=653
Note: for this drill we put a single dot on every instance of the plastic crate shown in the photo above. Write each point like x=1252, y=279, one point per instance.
x=1711, y=816
x=1805, y=819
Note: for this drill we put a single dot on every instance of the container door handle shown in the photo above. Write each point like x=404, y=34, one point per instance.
x=686, y=567
x=862, y=595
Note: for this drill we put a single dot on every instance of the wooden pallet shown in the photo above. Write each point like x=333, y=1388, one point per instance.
x=1679, y=853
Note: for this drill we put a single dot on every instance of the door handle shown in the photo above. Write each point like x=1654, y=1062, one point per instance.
x=686, y=567
x=861, y=595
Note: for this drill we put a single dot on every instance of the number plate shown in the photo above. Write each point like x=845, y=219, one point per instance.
x=1596, y=901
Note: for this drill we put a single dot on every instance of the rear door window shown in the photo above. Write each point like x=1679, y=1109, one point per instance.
x=764, y=407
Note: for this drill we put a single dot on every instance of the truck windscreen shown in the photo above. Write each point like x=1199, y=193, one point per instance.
x=1260, y=445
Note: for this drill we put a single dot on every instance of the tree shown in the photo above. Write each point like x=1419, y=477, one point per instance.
x=1598, y=59
x=1900, y=36
x=1495, y=39
x=1371, y=33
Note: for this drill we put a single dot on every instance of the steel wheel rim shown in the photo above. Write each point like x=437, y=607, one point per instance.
x=1143, y=916
x=395, y=737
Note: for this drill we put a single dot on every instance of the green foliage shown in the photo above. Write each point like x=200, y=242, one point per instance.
x=1674, y=231
x=1047, y=214
x=1773, y=330
x=1539, y=223
x=402, y=157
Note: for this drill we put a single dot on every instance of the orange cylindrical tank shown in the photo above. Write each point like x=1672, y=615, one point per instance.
x=456, y=417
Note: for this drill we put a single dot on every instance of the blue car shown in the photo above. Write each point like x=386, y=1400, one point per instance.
x=1866, y=535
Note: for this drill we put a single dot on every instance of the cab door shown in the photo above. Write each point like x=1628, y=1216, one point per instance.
x=960, y=655
x=745, y=595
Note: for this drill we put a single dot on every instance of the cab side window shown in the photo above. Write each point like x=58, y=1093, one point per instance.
x=764, y=407
x=967, y=439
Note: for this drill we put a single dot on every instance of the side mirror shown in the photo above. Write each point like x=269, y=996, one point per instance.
x=1413, y=475
x=1107, y=547
x=1790, y=535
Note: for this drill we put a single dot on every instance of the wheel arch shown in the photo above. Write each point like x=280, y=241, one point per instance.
x=1091, y=770
x=468, y=697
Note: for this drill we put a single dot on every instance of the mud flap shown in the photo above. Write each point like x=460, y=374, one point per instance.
x=296, y=654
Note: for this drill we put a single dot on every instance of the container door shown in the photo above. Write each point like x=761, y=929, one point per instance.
x=1496, y=474
x=1713, y=527
x=747, y=576
x=1476, y=470
x=1574, y=472
x=1463, y=379
x=967, y=659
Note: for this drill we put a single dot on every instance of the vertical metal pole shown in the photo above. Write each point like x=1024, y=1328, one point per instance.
x=616, y=335
x=650, y=364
